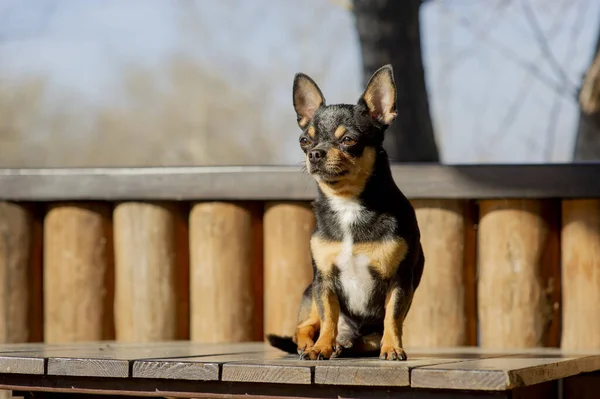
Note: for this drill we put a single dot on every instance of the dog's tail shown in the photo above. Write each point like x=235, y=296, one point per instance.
x=286, y=344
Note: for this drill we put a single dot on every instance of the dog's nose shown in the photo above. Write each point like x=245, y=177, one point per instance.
x=316, y=155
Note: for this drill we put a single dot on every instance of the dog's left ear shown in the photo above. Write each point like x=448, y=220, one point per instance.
x=307, y=98
x=380, y=95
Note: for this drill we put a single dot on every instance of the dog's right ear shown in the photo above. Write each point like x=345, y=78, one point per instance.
x=307, y=99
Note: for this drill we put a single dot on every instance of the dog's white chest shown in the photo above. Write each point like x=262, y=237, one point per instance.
x=355, y=278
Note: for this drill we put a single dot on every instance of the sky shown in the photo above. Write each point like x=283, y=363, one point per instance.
x=496, y=96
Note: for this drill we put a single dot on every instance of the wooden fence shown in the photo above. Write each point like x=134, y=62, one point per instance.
x=221, y=254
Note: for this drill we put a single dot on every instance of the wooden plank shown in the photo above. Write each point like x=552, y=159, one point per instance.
x=515, y=298
x=117, y=345
x=77, y=265
x=21, y=365
x=205, y=368
x=504, y=373
x=581, y=274
x=374, y=372
x=145, y=272
x=437, y=316
x=362, y=371
x=116, y=362
x=15, y=249
x=222, y=264
x=287, y=263
x=134, y=387
x=288, y=370
x=277, y=183
x=72, y=359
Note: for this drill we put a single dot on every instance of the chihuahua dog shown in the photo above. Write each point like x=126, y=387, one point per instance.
x=366, y=252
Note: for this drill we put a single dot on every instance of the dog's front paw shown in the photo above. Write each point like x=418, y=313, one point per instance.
x=319, y=352
x=389, y=352
x=305, y=345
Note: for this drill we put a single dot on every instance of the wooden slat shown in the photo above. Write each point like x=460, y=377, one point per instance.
x=222, y=264
x=30, y=358
x=77, y=264
x=289, y=370
x=438, y=313
x=109, y=360
x=369, y=371
x=205, y=368
x=287, y=265
x=15, y=252
x=374, y=372
x=14, y=364
x=278, y=183
x=581, y=274
x=496, y=374
x=517, y=278
x=145, y=272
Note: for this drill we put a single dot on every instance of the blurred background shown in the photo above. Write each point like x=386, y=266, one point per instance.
x=192, y=82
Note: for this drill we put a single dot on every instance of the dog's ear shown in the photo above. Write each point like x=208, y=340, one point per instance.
x=307, y=98
x=380, y=95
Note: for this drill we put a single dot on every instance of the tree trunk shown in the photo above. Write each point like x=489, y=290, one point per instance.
x=587, y=143
x=389, y=32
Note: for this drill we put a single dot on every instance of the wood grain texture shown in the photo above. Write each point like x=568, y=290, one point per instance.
x=145, y=272
x=497, y=374
x=77, y=263
x=518, y=274
x=372, y=372
x=288, y=227
x=222, y=264
x=17, y=282
x=581, y=274
x=15, y=253
x=438, y=313
x=200, y=368
x=21, y=365
x=281, y=371
x=115, y=361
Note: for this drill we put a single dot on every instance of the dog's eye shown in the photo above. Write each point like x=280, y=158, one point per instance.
x=348, y=141
x=304, y=141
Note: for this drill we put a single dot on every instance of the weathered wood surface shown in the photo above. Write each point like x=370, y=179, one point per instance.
x=145, y=272
x=223, y=259
x=288, y=183
x=474, y=369
x=107, y=360
x=501, y=373
x=374, y=372
x=16, y=227
x=438, y=316
x=518, y=280
x=581, y=274
x=287, y=263
x=202, y=368
x=77, y=273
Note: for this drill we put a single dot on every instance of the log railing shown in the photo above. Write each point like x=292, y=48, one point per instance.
x=220, y=254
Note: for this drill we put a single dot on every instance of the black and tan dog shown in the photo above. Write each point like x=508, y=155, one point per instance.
x=366, y=251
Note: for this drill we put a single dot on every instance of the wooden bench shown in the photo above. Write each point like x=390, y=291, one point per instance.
x=187, y=369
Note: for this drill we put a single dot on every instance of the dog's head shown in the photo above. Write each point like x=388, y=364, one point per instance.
x=341, y=141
